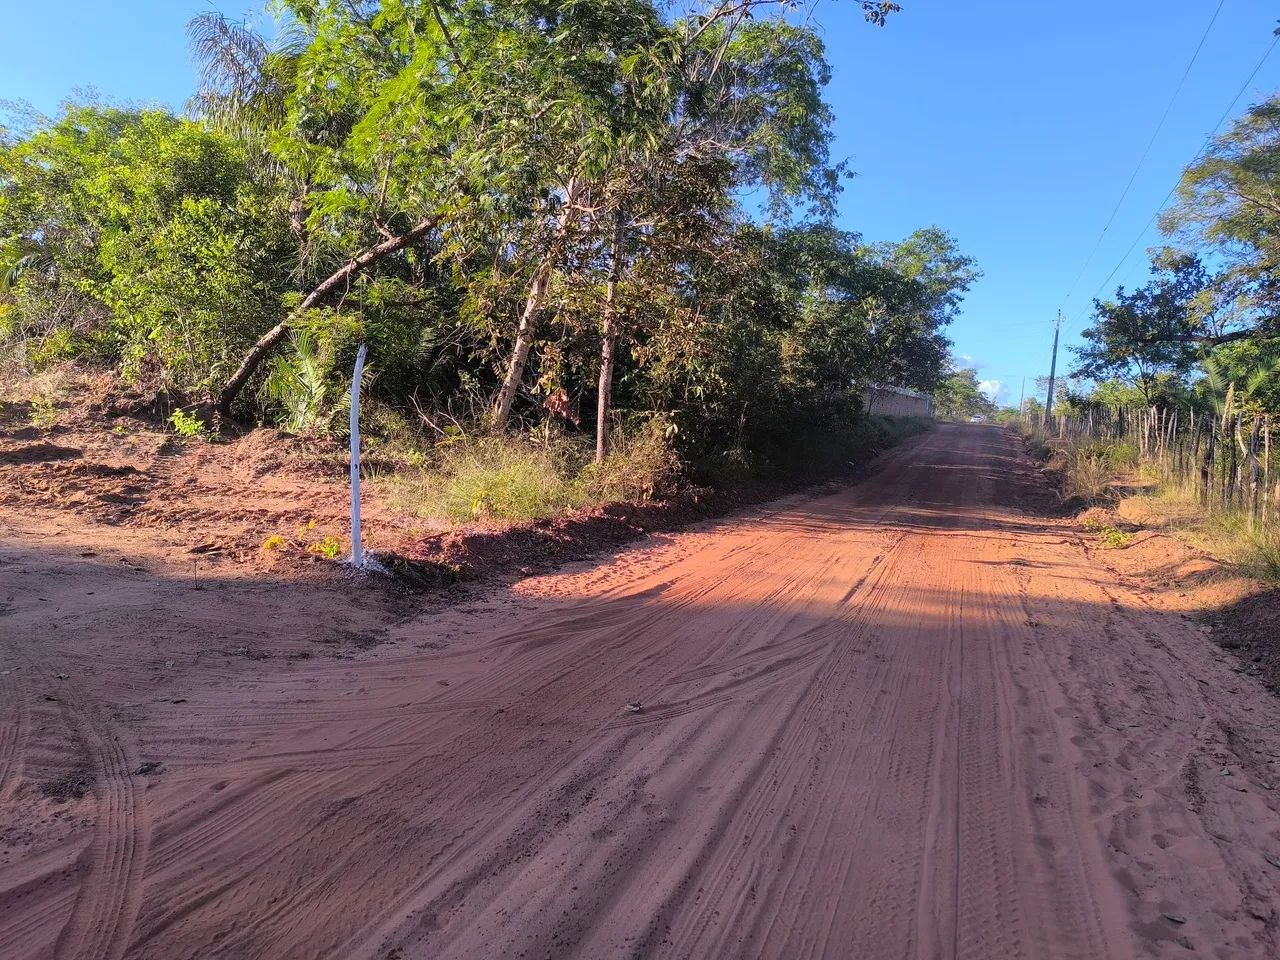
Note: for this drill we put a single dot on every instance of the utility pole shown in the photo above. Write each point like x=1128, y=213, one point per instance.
x=1022, y=396
x=1053, y=369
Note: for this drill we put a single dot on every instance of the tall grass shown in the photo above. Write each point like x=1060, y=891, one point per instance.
x=1090, y=469
x=530, y=477
x=506, y=478
x=1227, y=534
x=1087, y=476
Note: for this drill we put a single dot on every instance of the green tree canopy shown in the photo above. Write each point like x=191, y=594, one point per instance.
x=147, y=240
x=1145, y=336
x=957, y=397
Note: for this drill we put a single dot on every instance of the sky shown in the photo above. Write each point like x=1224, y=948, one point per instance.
x=1013, y=124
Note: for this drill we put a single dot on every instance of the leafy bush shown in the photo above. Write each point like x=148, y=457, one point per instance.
x=186, y=424
x=139, y=238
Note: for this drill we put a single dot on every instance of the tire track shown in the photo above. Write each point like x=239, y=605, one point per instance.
x=13, y=728
x=111, y=867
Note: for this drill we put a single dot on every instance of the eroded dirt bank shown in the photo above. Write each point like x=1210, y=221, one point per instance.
x=910, y=719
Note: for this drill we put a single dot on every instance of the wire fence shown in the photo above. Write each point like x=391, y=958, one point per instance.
x=1226, y=460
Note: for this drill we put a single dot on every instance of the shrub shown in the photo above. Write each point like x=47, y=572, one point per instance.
x=297, y=384
x=1086, y=476
x=186, y=424
x=640, y=465
x=504, y=478
x=141, y=239
x=43, y=414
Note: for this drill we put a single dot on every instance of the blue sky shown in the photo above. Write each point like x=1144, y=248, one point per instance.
x=1013, y=124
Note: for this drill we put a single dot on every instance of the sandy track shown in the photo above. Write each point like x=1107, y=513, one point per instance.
x=910, y=719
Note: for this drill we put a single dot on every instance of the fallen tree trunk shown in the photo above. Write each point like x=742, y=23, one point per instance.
x=343, y=275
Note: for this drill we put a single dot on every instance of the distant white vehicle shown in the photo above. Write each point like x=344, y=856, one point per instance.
x=978, y=419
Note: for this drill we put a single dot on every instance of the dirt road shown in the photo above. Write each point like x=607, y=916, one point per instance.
x=908, y=719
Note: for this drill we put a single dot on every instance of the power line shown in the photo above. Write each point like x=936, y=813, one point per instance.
x=1199, y=153
x=1145, y=153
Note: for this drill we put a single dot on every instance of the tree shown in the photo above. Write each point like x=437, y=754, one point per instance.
x=721, y=87
x=141, y=238
x=601, y=204
x=1147, y=336
x=1227, y=204
x=958, y=397
x=1252, y=366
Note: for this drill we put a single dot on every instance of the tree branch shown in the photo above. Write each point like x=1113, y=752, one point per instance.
x=339, y=278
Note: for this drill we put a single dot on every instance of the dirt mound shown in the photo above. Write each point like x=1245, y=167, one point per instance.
x=1250, y=628
x=543, y=544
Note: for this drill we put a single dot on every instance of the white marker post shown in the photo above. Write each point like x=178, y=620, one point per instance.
x=357, y=554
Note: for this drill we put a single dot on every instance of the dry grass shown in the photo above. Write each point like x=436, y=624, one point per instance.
x=1087, y=476
x=531, y=477
x=1225, y=534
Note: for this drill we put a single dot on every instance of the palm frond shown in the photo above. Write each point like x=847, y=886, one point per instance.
x=228, y=54
x=17, y=259
x=243, y=81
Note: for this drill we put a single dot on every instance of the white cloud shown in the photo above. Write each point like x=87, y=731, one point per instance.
x=991, y=388
x=965, y=362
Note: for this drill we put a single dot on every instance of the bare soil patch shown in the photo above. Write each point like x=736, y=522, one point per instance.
x=1241, y=614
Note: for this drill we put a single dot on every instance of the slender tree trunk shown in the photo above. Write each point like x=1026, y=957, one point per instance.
x=609, y=342
x=529, y=315
x=343, y=275
x=524, y=341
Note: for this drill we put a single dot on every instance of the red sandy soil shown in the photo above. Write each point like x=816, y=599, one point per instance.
x=214, y=505
x=913, y=718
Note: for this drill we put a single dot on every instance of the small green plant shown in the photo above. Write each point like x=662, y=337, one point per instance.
x=186, y=424
x=1113, y=537
x=275, y=542
x=298, y=383
x=43, y=415
x=329, y=547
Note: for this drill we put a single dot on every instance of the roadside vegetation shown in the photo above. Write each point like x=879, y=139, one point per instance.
x=589, y=247
x=1235, y=517
x=1175, y=391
